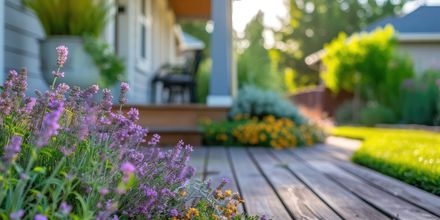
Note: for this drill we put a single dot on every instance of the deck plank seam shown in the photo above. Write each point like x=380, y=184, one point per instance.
x=378, y=208
x=380, y=188
x=340, y=163
x=234, y=176
x=270, y=184
x=308, y=186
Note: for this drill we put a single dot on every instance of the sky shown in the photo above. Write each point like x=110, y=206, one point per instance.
x=245, y=10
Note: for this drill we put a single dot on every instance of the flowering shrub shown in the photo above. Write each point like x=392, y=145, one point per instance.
x=67, y=156
x=254, y=102
x=269, y=131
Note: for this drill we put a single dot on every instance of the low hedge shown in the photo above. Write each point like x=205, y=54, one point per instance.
x=412, y=156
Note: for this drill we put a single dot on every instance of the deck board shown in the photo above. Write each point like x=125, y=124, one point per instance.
x=345, y=203
x=198, y=160
x=300, y=200
x=317, y=182
x=393, y=206
x=260, y=197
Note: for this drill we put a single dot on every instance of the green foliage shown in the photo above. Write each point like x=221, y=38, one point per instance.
x=111, y=67
x=254, y=64
x=367, y=65
x=344, y=113
x=375, y=113
x=420, y=99
x=71, y=17
x=203, y=77
x=253, y=101
x=408, y=155
x=313, y=23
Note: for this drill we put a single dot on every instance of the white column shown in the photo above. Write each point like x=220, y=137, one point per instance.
x=220, y=92
x=2, y=40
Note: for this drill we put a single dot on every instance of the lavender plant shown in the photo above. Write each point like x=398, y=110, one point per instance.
x=66, y=156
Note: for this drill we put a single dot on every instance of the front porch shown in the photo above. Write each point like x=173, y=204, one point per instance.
x=312, y=183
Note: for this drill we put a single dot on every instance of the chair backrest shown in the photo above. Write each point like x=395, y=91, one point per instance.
x=193, y=63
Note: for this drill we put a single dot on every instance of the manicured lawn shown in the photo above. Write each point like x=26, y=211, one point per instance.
x=409, y=155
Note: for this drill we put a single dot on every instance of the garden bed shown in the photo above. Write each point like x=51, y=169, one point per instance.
x=409, y=155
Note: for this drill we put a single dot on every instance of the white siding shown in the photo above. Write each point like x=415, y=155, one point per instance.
x=22, y=32
x=162, y=45
x=424, y=55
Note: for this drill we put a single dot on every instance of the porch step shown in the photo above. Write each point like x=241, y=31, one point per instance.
x=178, y=122
x=171, y=136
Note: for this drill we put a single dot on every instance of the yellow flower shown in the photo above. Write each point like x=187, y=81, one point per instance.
x=228, y=193
x=192, y=212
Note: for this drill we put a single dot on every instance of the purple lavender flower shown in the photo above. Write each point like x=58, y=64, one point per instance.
x=174, y=213
x=12, y=149
x=20, y=85
x=133, y=114
x=40, y=217
x=50, y=124
x=62, y=51
x=65, y=208
x=58, y=74
x=17, y=215
x=103, y=191
x=30, y=103
x=123, y=96
x=154, y=140
x=106, y=103
x=127, y=168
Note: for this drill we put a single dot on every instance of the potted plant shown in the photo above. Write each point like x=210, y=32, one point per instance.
x=77, y=24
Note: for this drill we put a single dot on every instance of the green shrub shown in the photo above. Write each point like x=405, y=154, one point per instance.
x=367, y=64
x=252, y=101
x=419, y=99
x=376, y=114
x=408, y=155
x=344, y=113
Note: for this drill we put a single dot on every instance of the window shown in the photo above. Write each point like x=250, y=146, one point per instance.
x=143, y=35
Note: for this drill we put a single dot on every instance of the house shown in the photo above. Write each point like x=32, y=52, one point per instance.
x=418, y=35
x=142, y=32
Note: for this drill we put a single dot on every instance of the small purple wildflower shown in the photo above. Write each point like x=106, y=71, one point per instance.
x=40, y=217
x=65, y=208
x=17, y=215
x=63, y=52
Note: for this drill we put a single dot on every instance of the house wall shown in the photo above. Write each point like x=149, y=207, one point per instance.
x=161, y=41
x=22, y=33
x=424, y=55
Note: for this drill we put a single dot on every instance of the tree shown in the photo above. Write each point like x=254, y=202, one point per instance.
x=313, y=23
x=254, y=62
x=368, y=65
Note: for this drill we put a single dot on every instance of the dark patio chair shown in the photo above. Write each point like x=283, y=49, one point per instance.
x=177, y=80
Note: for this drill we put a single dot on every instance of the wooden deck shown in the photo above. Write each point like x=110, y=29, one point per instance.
x=312, y=183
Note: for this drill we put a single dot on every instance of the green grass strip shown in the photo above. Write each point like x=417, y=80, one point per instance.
x=412, y=156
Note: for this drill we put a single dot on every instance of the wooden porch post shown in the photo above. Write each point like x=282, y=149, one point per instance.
x=2, y=40
x=220, y=92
